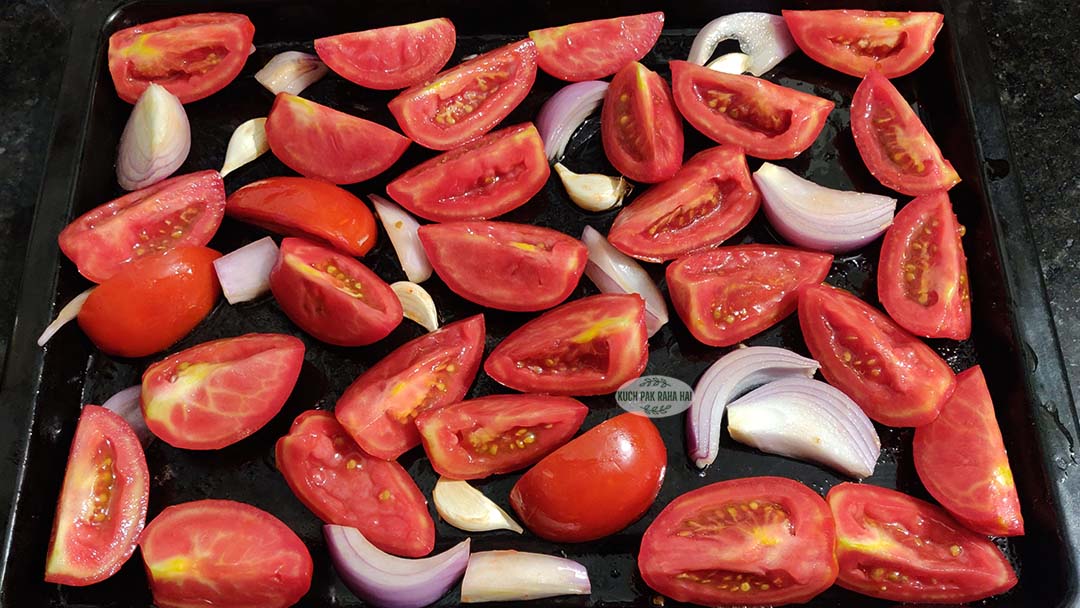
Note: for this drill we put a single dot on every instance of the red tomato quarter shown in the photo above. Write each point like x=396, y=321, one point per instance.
x=895, y=547
x=498, y=433
x=343, y=485
x=102, y=506
x=640, y=128
x=596, y=485
x=961, y=460
x=729, y=294
x=752, y=541
x=225, y=554
x=595, y=49
x=392, y=57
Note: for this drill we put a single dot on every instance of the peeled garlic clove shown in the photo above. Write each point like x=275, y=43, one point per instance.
x=291, y=72
x=592, y=191
x=156, y=140
x=466, y=508
x=732, y=63
x=417, y=304
x=247, y=143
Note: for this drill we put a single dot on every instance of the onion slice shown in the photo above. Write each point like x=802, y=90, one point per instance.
x=501, y=576
x=128, y=405
x=388, y=581
x=244, y=274
x=416, y=304
x=291, y=72
x=732, y=375
x=762, y=36
x=615, y=272
x=156, y=139
x=564, y=112
x=466, y=508
x=67, y=313
x=402, y=229
x=809, y=420
x=247, y=143
x=816, y=217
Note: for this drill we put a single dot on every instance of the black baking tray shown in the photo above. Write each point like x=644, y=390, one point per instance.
x=1014, y=337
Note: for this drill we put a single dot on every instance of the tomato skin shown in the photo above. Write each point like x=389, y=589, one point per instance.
x=710, y=199
x=514, y=267
x=522, y=428
x=640, y=128
x=166, y=51
x=885, y=532
x=594, y=49
x=792, y=569
x=754, y=285
x=105, y=238
x=486, y=178
x=596, y=485
x=152, y=302
x=392, y=57
x=379, y=407
x=372, y=495
x=83, y=551
x=962, y=462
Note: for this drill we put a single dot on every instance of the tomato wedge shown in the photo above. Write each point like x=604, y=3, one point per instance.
x=466, y=101
x=922, y=274
x=641, y=131
x=711, y=198
x=102, y=506
x=589, y=346
x=223, y=553
x=343, y=485
x=961, y=460
x=310, y=208
x=893, y=376
x=894, y=144
x=767, y=120
x=895, y=547
x=498, y=433
x=761, y=541
x=317, y=141
x=483, y=179
x=332, y=296
x=193, y=56
x=392, y=57
x=182, y=211
x=729, y=294
x=854, y=42
x=215, y=394
x=594, y=49
x=432, y=371
x=505, y=266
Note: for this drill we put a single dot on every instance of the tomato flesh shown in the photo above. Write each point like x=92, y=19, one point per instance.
x=639, y=126
x=594, y=49
x=392, y=57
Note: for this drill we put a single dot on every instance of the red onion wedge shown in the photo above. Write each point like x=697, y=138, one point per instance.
x=156, y=140
x=68, y=313
x=244, y=274
x=401, y=228
x=762, y=36
x=128, y=405
x=615, y=272
x=291, y=72
x=564, y=112
x=503, y=576
x=388, y=581
x=816, y=217
x=808, y=420
x=732, y=375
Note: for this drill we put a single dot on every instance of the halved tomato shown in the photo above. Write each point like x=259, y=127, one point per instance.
x=182, y=211
x=893, y=142
x=102, y=506
x=468, y=100
x=893, y=376
x=223, y=553
x=895, y=547
x=483, y=179
x=961, y=460
x=430, y=372
x=756, y=541
x=711, y=198
x=317, y=141
x=343, y=485
x=922, y=273
x=854, y=42
x=311, y=208
x=332, y=296
x=729, y=294
x=594, y=49
x=589, y=346
x=392, y=57
x=193, y=56
x=767, y=120
x=498, y=433
x=505, y=266
x=152, y=302
x=640, y=128
x=216, y=393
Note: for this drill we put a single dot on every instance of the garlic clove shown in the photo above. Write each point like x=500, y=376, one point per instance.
x=592, y=191
x=416, y=304
x=466, y=508
x=731, y=63
x=291, y=72
x=247, y=143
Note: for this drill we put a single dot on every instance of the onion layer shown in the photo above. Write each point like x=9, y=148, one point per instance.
x=128, y=405
x=156, y=140
x=762, y=36
x=564, y=112
x=501, y=576
x=244, y=274
x=69, y=312
x=291, y=72
x=615, y=272
x=402, y=229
